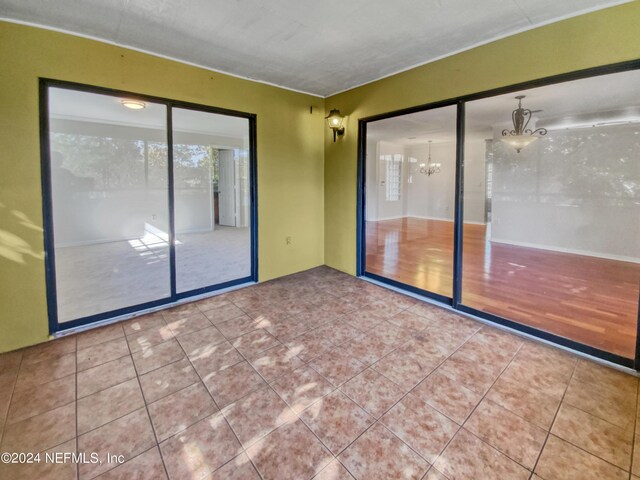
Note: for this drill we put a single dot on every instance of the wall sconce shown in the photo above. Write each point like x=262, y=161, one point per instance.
x=430, y=167
x=335, y=120
x=521, y=136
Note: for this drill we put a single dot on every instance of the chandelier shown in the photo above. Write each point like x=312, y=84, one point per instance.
x=430, y=167
x=521, y=136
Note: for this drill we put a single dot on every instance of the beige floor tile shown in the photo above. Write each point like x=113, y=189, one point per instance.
x=149, y=338
x=211, y=303
x=410, y=320
x=309, y=345
x=10, y=361
x=454, y=325
x=607, y=404
x=42, y=398
x=200, y=449
x=367, y=348
x=635, y=464
x=99, y=335
x=469, y=372
x=222, y=313
x=334, y=471
x=176, y=313
x=179, y=410
x=190, y=323
x=378, y=453
x=167, y=380
x=336, y=420
x=469, y=457
x=251, y=344
x=420, y=426
x=239, y=468
x=512, y=435
x=594, y=435
x=338, y=332
x=561, y=460
x=238, y=326
x=104, y=376
x=233, y=383
x=373, y=392
x=446, y=396
x=284, y=328
x=363, y=320
x=213, y=358
x=434, y=474
x=107, y=405
x=391, y=334
x=146, y=465
x=302, y=387
x=258, y=414
x=620, y=382
x=197, y=344
x=405, y=368
x=337, y=366
x=49, y=350
x=157, y=356
x=41, y=432
x=534, y=405
x=101, y=353
x=34, y=374
x=291, y=452
x=143, y=322
x=275, y=362
x=128, y=436
x=43, y=469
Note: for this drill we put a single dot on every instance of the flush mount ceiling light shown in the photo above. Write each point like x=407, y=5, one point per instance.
x=335, y=119
x=521, y=136
x=133, y=104
x=430, y=167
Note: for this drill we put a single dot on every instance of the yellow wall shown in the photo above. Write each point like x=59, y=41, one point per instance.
x=290, y=158
x=600, y=38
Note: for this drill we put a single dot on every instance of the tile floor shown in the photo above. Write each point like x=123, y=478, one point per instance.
x=315, y=375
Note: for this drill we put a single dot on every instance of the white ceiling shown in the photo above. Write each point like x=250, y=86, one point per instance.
x=106, y=109
x=606, y=98
x=319, y=47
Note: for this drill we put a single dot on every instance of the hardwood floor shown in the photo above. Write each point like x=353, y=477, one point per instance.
x=587, y=299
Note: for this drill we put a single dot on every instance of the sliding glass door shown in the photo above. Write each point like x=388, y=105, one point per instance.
x=410, y=197
x=526, y=200
x=110, y=202
x=560, y=249
x=212, y=198
x=146, y=201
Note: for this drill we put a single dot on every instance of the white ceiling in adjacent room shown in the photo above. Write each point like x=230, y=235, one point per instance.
x=319, y=47
x=606, y=99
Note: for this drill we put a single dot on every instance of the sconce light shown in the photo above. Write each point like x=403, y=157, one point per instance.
x=430, y=167
x=335, y=120
x=133, y=104
x=521, y=136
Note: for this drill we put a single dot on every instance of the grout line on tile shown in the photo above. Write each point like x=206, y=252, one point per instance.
x=13, y=390
x=146, y=407
x=535, y=465
x=219, y=411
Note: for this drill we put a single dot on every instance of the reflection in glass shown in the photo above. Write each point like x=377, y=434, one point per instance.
x=559, y=249
x=212, y=198
x=410, y=193
x=110, y=203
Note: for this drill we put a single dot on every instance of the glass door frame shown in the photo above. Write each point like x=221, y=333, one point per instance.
x=456, y=301
x=47, y=203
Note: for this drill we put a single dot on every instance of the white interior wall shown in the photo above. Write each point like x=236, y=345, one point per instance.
x=574, y=190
